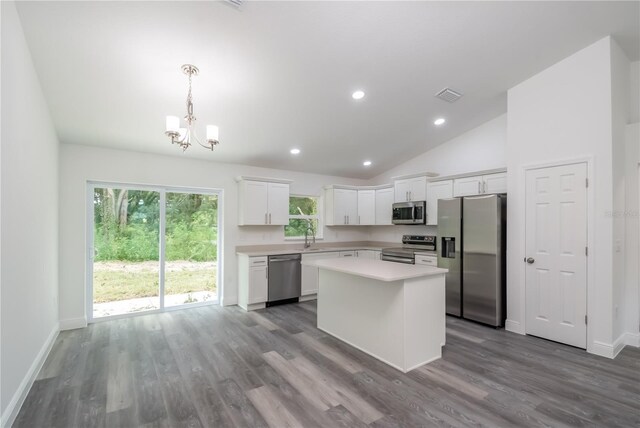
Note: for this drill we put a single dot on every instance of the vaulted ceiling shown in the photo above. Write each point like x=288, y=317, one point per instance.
x=278, y=75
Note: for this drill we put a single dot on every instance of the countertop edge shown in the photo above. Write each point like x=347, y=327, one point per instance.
x=423, y=271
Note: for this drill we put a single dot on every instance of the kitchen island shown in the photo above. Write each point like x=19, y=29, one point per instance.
x=392, y=311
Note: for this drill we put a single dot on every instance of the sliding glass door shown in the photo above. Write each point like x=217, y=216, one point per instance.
x=150, y=249
x=190, y=268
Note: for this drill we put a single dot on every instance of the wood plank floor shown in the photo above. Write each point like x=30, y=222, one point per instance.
x=223, y=367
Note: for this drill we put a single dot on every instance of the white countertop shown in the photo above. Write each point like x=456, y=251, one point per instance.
x=376, y=269
x=314, y=250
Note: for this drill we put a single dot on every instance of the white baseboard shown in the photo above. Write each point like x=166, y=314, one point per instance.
x=228, y=301
x=12, y=410
x=73, y=323
x=608, y=350
x=618, y=345
x=632, y=339
x=514, y=326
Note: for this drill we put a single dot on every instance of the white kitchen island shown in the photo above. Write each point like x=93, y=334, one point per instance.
x=392, y=311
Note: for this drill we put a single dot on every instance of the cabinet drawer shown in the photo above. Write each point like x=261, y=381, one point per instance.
x=427, y=260
x=257, y=261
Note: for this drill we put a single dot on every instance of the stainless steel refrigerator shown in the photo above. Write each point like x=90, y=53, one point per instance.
x=472, y=235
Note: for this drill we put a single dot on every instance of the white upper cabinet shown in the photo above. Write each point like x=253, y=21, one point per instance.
x=263, y=202
x=341, y=207
x=278, y=203
x=410, y=189
x=467, y=186
x=480, y=184
x=366, y=207
x=495, y=183
x=384, y=202
x=437, y=190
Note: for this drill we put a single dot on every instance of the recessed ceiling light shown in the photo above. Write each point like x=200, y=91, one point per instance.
x=295, y=151
x=439, y=121
x=366, y=163
x=358, y=95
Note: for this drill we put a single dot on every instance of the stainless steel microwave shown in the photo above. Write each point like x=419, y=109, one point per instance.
x=409, y=213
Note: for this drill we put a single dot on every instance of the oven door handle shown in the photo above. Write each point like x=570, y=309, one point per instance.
x=398, y=259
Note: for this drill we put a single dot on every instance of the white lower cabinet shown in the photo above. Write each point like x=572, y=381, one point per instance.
x=310, y=273
x=253, y=282
x=368, y=254
x=427, y=260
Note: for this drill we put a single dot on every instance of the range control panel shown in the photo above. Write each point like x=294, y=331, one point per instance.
x=426, y=240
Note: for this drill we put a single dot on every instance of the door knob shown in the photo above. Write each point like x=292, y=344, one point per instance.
x=530, y=260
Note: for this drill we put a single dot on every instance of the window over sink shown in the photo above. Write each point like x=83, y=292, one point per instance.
x=304, y=214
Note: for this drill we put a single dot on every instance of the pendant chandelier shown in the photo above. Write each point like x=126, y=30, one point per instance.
x=185, y=137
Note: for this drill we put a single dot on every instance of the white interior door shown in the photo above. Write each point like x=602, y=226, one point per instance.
x=556, y=241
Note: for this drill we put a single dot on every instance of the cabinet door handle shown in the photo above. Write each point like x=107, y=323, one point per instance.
x=479, y=189
x=410, y=195
x=348, y=219
x=269, y=218
x=359, y=220
x=265, y=218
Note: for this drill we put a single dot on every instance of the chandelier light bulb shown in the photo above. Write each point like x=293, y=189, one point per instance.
x=212, y=133
x=173, y=123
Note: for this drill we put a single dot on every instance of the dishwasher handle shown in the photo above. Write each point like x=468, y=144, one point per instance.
x=287, y=258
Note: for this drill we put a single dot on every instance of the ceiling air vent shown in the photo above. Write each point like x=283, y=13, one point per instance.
x=236, y=3
x=448, y=95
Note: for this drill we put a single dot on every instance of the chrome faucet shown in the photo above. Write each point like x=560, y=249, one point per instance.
x=309, y=228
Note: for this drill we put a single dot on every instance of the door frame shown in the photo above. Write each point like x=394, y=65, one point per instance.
x=162, y=190
x=589, y=162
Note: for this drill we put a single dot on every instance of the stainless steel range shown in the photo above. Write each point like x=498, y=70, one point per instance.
x=412, y=244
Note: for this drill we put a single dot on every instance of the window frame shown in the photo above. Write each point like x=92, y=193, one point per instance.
x=91, y=185
x=319, y=217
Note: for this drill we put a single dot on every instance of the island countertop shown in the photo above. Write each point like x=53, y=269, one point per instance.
x=376, y=269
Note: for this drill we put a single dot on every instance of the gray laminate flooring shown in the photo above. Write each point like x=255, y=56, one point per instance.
x=223, y=367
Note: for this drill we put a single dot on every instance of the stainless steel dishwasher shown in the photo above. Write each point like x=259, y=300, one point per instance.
x=285, y=279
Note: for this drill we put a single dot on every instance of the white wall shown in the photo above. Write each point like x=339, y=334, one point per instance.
x=634, y=99
x=631, y=295
x=620, y=102
x=565, y=112
x=29, y=219
x=481, y=148
x=78, y=164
